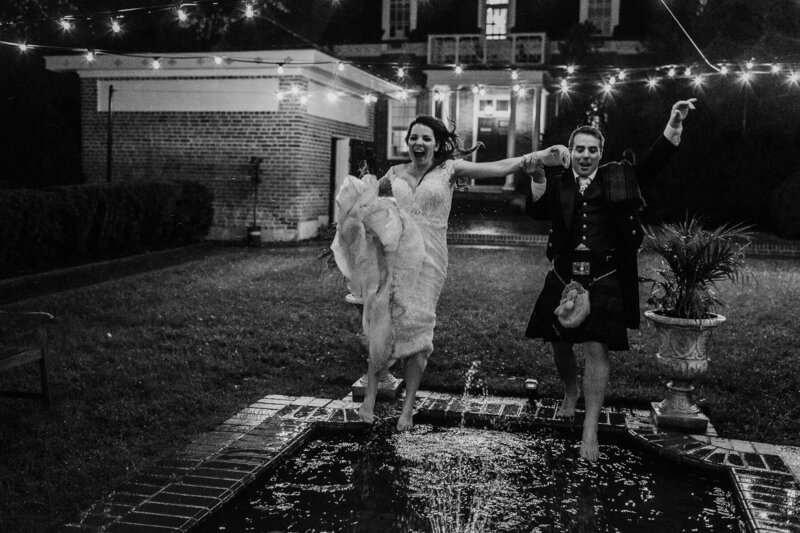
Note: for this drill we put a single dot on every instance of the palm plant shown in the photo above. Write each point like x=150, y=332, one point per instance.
x=693, y=261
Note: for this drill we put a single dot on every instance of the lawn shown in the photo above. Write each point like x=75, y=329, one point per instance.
x=143, y=363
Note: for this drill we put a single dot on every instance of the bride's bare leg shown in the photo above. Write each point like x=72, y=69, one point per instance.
x=415, y=367
x=367, y=410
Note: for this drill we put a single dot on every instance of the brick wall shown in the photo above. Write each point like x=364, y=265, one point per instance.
x=214, y=148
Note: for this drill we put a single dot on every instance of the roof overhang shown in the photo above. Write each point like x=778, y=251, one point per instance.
x=309, y=63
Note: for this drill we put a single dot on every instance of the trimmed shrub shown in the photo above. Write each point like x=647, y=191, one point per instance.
x=42, y=229
x=784, y=214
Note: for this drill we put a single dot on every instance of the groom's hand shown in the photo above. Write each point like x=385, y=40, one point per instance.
x=556, y=155
x=680, y=110
x=533, y=165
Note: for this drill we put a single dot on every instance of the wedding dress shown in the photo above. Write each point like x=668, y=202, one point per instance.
x=393, y=250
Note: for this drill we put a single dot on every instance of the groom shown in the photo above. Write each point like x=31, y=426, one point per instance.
x=594, y=240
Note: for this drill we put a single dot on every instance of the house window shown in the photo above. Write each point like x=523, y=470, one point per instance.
x=401, y=113
x=603, y=14
x=399, y=15
x=496, y=19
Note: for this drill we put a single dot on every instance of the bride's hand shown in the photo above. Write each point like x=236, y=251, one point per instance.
x=556, y=155
x=532, y=164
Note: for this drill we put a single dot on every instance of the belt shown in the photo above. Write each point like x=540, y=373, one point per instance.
x=584, y=263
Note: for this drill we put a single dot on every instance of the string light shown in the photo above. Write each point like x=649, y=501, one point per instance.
x=332, y=96
x=279, y=95
x=340, y=66
x=303, y=99
x=249, y=11
x=571, y=69
x=652, y=82
x=749, y=65
x=66, y=24
x=22, y=47
x=671, y=72
x=218, y=60
x=514, y=75
x=458, y=70
x=516, y=88
x=776, y=69
x=723, y=70
x=182, y=16
x=280, y=68
x=156, y=64
x=89, y=56
x=115, y=26
x=401, y=72
x=622, y=75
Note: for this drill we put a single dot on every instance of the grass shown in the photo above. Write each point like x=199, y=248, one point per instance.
x=144, y=363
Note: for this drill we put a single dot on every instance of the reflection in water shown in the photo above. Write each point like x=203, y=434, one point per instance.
x=468, y=480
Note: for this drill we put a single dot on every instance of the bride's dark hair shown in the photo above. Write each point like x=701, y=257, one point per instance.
x=449, y=144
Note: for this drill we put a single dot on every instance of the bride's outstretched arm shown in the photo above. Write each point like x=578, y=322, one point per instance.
x=557, y=155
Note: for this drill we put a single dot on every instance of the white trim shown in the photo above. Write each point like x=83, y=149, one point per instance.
x=313, y=64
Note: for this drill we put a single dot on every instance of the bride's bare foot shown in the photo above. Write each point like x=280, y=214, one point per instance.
x=590, y=448
x=567, y=407
x=366, y=414
x=405, y=422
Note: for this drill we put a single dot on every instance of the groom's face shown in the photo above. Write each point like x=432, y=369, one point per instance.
x=585, y=153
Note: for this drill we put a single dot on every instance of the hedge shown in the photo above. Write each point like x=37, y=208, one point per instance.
x=783, y=212
x=43, y=229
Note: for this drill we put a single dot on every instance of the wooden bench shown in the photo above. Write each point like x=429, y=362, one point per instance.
x=23, y=340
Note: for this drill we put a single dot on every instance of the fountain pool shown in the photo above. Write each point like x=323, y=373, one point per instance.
x=443, y=479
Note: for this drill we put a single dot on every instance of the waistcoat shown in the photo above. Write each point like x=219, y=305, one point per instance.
x=592, y=222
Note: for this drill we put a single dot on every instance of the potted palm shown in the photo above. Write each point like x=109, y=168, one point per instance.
x=683, y=294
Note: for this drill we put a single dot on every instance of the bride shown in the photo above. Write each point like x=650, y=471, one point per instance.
x=391, y=243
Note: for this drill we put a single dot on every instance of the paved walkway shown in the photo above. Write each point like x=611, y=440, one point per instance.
x=521, y=230
x=183, y=493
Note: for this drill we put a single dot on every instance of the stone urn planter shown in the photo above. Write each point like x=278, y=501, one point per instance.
x=682, y=356
x=692, y=260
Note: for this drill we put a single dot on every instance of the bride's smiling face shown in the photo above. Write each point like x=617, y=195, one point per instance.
x=421, y=144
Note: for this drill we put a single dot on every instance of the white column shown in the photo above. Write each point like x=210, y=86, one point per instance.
x=512, y=137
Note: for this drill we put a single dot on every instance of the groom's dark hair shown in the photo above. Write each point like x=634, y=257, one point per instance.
x=587, y=130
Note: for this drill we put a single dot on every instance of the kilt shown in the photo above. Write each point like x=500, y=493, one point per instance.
x=606, y=320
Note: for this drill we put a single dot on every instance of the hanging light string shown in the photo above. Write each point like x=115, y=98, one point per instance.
x=678, y=22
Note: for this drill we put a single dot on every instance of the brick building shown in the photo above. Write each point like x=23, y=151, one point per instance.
x=200, y=118
x=483, y=65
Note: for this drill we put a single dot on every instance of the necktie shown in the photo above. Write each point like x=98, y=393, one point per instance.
x=583, y=183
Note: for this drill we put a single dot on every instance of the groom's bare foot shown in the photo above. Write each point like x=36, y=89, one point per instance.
x=590, y=448
x=405, y=422
x=567, y=407
x=366, y=414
